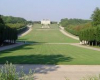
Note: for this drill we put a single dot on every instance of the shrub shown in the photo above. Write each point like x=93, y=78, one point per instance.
x=92, y=78
x=8, y=72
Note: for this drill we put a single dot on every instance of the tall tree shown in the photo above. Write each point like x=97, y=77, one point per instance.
x=7, y=33
x=1, y=21
x=96, y=17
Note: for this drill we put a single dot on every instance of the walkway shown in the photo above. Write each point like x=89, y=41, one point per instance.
x=11, y=46
x=61, y=72
x=25, y=33
x=68, y=34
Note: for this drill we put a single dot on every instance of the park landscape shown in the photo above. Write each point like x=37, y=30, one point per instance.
x=44, y=47
x=48, y=46
x=68, y=49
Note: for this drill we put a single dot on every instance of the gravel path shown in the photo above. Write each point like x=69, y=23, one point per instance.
x=11, y=46
x=61, y=72
x=68, y=34
x=25, y=33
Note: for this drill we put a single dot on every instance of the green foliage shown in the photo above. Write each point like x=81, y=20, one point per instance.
x=53, y=22
x=15, y=22
x=21, y=27
x=16, y=25
x=98, y=33
x=10, y=19
x=37, y=22
x=84, y=28
x=96, y=17
x=8, y=72
x=92, y=35
x=10, y=27
x=65, y=22
x=1, y=21
x=21, y=30
x=75, y=25
x=7, y=33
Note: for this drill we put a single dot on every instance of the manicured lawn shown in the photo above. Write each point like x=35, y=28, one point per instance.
x=49, y=53
x=52, y=35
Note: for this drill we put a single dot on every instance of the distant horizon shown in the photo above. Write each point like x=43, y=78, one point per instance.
x=52, y=9
x=42, y=19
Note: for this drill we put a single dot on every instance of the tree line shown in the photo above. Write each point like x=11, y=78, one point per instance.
x=91, y=35
x=10, y=27
x=65, y=22
x=7, y=34
x=74, y=25
x=14, y=20
x=87, y=30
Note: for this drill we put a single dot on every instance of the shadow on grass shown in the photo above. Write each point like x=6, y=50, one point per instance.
x=26, y=46
x=32, y=59
x=36, y=59
x=26, y=40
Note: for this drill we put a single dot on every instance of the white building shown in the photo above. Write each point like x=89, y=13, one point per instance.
x=45, y=22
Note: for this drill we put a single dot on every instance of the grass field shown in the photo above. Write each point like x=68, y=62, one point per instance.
x=50, y=53
x=52, y=35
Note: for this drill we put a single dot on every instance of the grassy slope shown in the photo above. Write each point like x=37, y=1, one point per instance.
x=50, y=53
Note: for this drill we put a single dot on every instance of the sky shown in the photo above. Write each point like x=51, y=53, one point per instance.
x=54, y=10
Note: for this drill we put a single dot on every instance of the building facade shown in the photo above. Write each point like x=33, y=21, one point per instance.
x=45, y=22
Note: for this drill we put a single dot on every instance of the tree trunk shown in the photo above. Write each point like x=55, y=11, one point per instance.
x=92, y=43
x=96, y=43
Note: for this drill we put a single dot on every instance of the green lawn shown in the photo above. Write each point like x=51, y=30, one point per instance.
x=50, y=53
x=52, y=35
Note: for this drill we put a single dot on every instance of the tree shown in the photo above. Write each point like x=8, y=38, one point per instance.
x=1, y=21
x=2, y=27
x=96, y=17
x=7, y=33
x=98, y=34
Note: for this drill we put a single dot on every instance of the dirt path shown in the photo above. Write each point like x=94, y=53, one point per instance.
x=11, y=46
x=25, y=33
x=68, y=34
x=61, y=72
